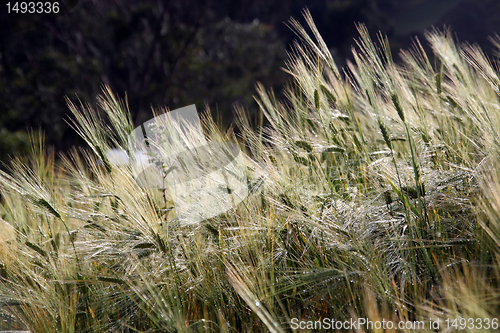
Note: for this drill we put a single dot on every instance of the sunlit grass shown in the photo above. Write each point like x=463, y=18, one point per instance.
x=374, y=193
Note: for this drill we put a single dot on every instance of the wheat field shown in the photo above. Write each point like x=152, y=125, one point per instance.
x=374, y=193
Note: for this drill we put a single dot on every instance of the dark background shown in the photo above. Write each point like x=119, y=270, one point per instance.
x=180, y=52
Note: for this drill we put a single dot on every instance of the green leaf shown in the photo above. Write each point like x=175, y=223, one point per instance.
x=318, y=262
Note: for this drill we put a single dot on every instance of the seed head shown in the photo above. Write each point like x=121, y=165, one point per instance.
x=385, y=133
x=397, y=104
